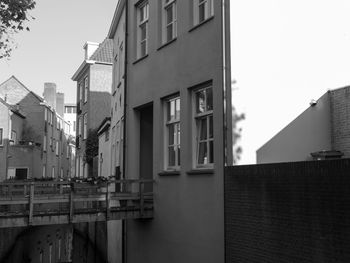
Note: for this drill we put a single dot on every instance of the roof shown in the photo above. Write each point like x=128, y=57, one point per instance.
x=104, y=53
x=13, y=109
x=33, y=93
x=116, y=17
x=105, y=124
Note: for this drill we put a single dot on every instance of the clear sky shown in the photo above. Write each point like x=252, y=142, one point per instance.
x=284, y=53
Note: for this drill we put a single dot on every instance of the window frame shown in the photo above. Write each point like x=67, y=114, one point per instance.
x=1, y=137
x=85, y=126
x=166, y=5
x=208, y=10
x=86, y=88
x=197, y=128
x=176, y=123
x=140, y=24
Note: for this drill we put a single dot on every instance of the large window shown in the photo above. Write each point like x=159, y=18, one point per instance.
x=86, y=81
x=203, y=9
x=81, y=91
x=44, y=143
x=85, y=127
x=203, y=116
x=1, y=140
x=143, y=15
x=172, y=135
x=169, y=20
x=80, y=125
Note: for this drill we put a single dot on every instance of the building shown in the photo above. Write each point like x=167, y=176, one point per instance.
x=39, y=146
x=322, y=128
x=70, y=116
x=177, y=121
x=94, y=82
x=104, y=148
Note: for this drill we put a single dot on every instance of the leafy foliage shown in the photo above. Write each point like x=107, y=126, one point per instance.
x=28, y=134
x=91, y=149
x=13, y=15
x=236, y=134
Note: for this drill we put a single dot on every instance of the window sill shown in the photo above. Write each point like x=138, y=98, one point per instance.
x=201, y=23
x=165, y=173
x=200, y=171
x=167, y=43
x=138, y=60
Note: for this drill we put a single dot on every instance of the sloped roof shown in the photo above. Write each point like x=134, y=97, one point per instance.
x=104, y=53
x=13, y=109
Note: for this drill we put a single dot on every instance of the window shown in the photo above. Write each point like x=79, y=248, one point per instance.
x=85, y=126
x=1, y=140
x=169, y=20
x=121, y=64
x=143, y=12
x=44, y=171
x=14, y=137
x=59, y=250
x=51, y=141
x=53, y=172
x=57, y=148
x=44, y=143
x=85, y=170
x=67, y=151
x=172, y=134
x=204, y=127
x=86, y=88
x=81, y=92
x=107, y=136
x=41, y=256
x=203, y=9
x=74, y=109
x=50, y=253
x=74, y=124
x=61, y=175
x=45, y=114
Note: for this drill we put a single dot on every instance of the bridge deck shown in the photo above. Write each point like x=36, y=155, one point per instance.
x=45, y=203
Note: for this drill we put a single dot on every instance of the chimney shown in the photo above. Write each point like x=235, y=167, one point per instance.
x=50, y=94
x=90, y=48
x=60, y=103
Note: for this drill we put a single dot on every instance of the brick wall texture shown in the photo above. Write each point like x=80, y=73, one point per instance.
x=288, y=212
x=340, y=110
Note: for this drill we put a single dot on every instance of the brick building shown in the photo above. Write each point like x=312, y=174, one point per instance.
x=94, y=82
x=40, y=147
x=324, y=127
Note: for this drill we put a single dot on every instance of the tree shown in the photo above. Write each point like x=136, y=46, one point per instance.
x=236, y=130
x=13, y=15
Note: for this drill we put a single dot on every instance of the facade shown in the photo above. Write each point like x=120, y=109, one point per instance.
x=94, y=82
x=177, y=101
x=40, y=148
x=323, y=127
x=70, y=116
x=104, y=148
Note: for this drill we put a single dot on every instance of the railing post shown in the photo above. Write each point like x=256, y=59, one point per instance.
x=107, y=202
x=31, y=203
x=141, y=188
x=71, y=203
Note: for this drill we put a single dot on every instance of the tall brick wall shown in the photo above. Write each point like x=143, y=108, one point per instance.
x=340, y=116
x=288, y=212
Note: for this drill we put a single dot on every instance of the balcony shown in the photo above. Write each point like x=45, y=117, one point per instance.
x=51, y=202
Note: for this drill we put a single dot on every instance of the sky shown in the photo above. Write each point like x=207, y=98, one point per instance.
x=284, y=53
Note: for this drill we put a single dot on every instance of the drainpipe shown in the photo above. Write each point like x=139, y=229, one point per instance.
x=124, y=234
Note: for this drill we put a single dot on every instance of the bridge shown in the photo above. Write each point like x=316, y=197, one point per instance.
x=53, y=202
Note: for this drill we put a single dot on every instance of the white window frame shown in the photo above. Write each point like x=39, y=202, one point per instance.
x=142, y=22
x=175, y=123
x=197, y=128
x=80, y=126
x=167, y=4
x=57, y=148
x=85, y=135
x=86, y=88
x=208, y=6
x=44, y=171
x=44, y=143
x=81, y=91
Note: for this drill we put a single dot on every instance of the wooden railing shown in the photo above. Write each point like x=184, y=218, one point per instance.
x=37, y=203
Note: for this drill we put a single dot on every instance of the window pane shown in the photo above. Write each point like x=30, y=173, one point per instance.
x=143, y=32
x=178, y=156
x=169, y=14
x=143, y=49
x=201, y=12
x=211, y=126
x=172, y=134
x=171, y=110
x=203, y=129
x=211, y=152
x=171, y=156
x=202, y=153
x=178, y=133
x=169, y=32
x=209, y=99
x=177, y=114
x=200, y=101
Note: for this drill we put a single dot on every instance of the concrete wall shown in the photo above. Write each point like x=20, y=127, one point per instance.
x=26, y=157
x=340, y=101
x=189, y=217
x=309, y=132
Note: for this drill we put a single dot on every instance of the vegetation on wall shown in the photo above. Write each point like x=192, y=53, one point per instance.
x=91, y=149
x=29, y=135
x=13, y=15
